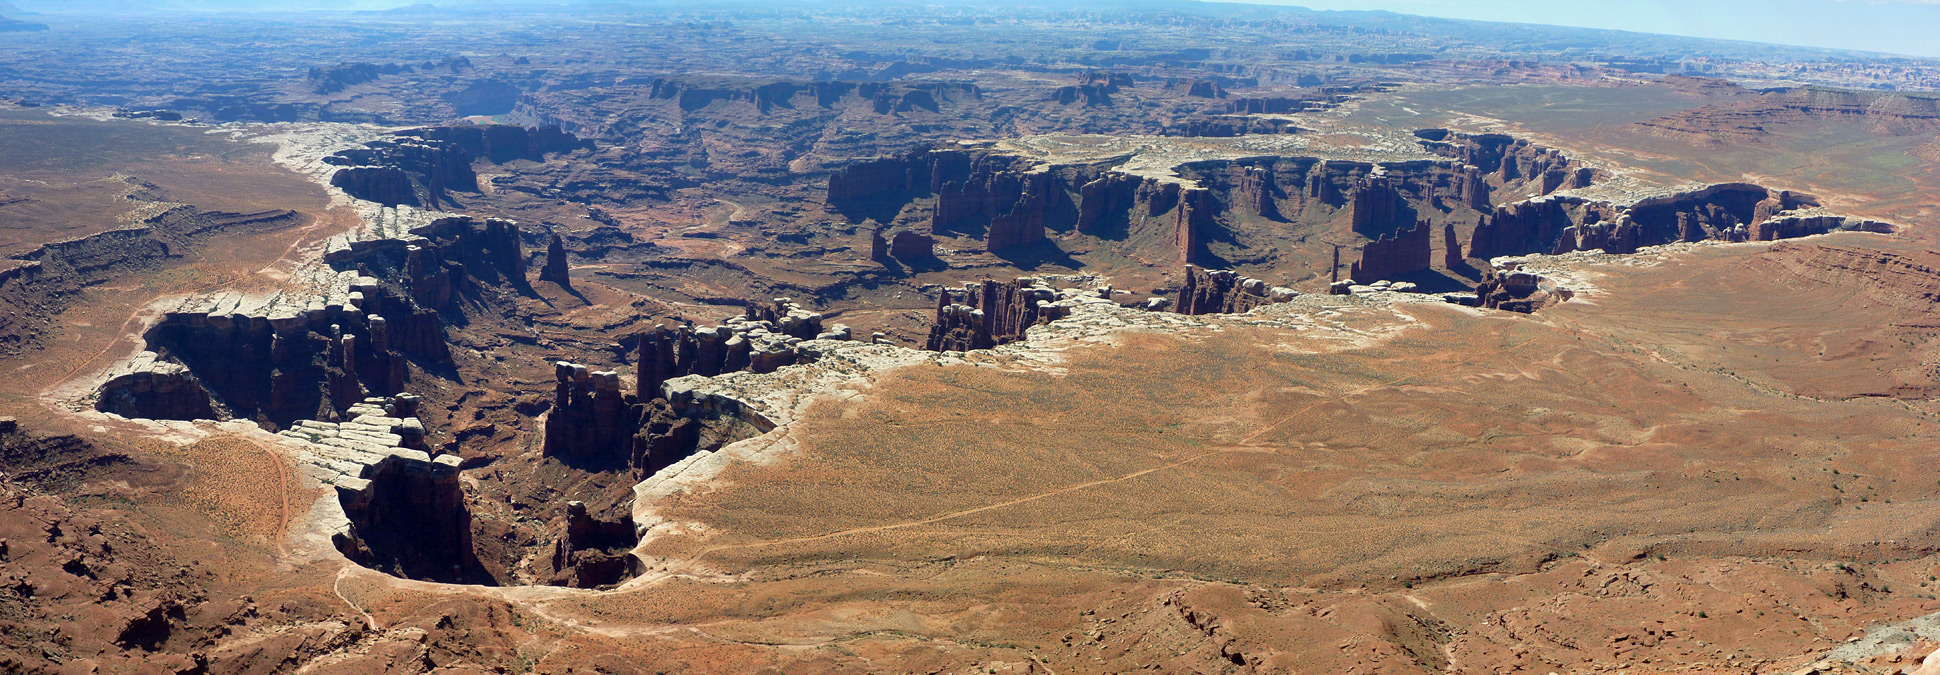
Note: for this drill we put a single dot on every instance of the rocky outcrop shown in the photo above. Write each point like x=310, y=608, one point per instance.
x=1881, y=112
x=1194, y=223
x=35, y=285
x=146, y=388
x=418, y=167
x=311, y=353
x=405, y=509
x=991, y=313
x=885, y=98
x=590, y=553
x=1451, y=249
x=905, y=246
x=406, y=171
x=555, y=269
x=590, y=425
x=1278, y=105
x=1092, y=95
x=1516, y=291
x=501, y=143
x=912, y=246
x=1391, y=256
x=762, y=340
x=1228, y=126
x=328, y=80
x=1724, y=212
x=1256, y=192
x=1015, y=204
x=1376, y=207
x=1225, y=292
x=1532, y=226
x=1806, y=224
x=1506, y=160
x=595, y=425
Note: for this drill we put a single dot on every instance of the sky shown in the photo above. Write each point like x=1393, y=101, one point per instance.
x=1894, y=26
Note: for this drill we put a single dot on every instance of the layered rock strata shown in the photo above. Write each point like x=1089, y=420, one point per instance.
x=33, y=284
x=313, y=352
x=990, y=313
x=420, y=167
x=762, y=340
x=596, y=425
x=1557, y=224
x=1393, y=255
x=589, y=553
x=1225, y=292
x=405, y=510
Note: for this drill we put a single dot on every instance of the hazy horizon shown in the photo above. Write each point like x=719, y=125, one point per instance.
x=1892, y=26
x=1903, y=27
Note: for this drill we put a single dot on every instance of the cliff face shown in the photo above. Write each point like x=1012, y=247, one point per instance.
x=1228, y=126
x=991, y=313
x=1887, y=113
x=905, y=246
x=997, y=194
x=1010, y=202
x=409, y=518
x=1723, y=212
x=408, y=170
x=38, y=283
x=555, y=269
x=419, y=167
x=1218, y=292
x=282, y=358
x=884, y=98
x=501, y=143
x=1507, y=159
x=1390, y=256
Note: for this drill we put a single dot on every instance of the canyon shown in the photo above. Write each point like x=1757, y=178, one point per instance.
x=1198, y=338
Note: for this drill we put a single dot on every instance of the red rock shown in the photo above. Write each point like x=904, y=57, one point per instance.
x=991, y=313
x=1391, y=256
x=1218, y=292
x=555, y=269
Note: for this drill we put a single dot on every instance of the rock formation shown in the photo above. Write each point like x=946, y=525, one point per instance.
x=589, y=553
x=1451, y=248
x=1376, y=207
x=905, y=246
x=406, y=509
x=1225, y=292
x=146, y=388
x=1516, y=291
x=1405, y=251
x=588, y=424
x=555, y=269
x=33, y=283
x=1881, y=112
x=405, y=171
x=1010, y=202
x=596, y=425
x=992, y=313
x=501, y=143
x=284, y=357
x=1228, y=126
x=763, y=97
x=1723, y=212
